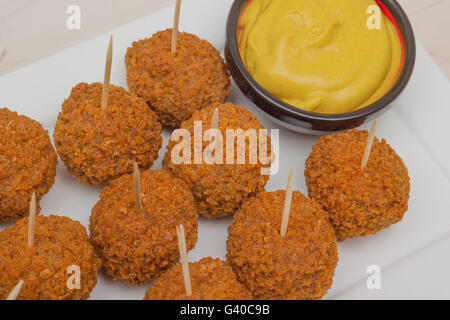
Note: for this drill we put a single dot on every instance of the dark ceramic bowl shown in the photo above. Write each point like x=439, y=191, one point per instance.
x=310, y=122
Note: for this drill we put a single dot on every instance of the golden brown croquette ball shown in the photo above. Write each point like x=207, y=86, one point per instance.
x=60, y=246
x=360, y=202
x=220, y=189
x=27, y=164
x=100, y=145
x=176, y=85
x=211, y=279
x=135, y=247
x=299, y=266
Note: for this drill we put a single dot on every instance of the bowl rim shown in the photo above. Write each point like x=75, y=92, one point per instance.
x=409, y=43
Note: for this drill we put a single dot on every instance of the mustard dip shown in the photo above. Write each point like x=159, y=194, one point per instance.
x=320, y=55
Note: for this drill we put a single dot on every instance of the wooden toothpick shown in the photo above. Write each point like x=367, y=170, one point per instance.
x=15, y=291
x=369, y=144
x=215, y=119
x=176, y=21
x=184, y=259
x=107, y=78
x=137, y=188
x=287, y=203
x=32, y=220
x=3, y=52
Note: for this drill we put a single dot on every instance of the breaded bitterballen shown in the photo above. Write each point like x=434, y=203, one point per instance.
x=299, y=266
x=211, y=279
x=220, y=189
x=135, y=247
x=100, y=145
x=176, y=85
x=27, y=164
x=360, y=202
x=60, y=243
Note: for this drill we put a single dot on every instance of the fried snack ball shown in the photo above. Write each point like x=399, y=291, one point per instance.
x=135, y=247
x=176, y=85
x=299, y=266
x=220, y=189
x=100, y=145
x=360, y=202
x=27, y=164
x=46, y=267
x=211, y=279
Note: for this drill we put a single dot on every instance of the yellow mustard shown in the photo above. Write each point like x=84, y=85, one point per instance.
x=325, y=56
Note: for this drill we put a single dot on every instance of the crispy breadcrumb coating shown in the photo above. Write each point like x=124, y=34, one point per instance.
x=299, y=266
x=100, y=145
x=27, y=163
x=211, y=279
x=60, y=242
x=220, y=189
x=135, y=247
x=176, y=85
x=360, y=202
